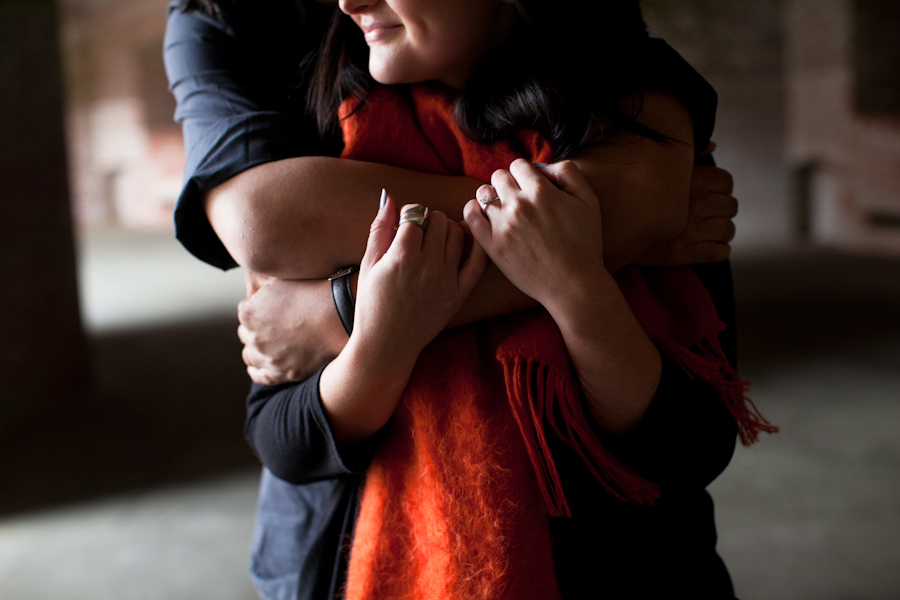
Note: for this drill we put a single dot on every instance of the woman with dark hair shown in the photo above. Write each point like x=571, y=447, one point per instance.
x=649, y=420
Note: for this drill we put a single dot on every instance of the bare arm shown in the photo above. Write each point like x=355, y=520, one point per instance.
x=306, y=217
x=544, y=239
x=303, y=218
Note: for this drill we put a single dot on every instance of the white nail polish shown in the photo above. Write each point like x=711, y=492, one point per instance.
x=383, y=200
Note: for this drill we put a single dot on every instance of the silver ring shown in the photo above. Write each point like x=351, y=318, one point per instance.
x=485, y=201
x=416, y=215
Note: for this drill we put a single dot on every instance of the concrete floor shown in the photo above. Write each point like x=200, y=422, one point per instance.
x=188, y=542
x=143, y=506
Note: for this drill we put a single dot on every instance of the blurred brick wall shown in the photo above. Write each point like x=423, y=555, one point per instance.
x=805, y=160
x=126, y=154
x=854, y=150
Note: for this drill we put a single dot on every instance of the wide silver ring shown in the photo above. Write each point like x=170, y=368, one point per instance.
x=417, y=215
x=484, y=201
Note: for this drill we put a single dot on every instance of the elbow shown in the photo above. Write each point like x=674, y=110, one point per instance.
x=254, y=236
x=280, y=464
x=257, y=250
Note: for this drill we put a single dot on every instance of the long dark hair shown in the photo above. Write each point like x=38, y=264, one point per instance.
x=562, y=72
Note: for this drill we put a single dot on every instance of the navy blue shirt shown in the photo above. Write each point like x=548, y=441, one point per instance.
x=234, y=80
x=235, y=84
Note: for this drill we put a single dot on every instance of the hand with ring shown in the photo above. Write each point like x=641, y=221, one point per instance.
x=412, y=281
x=544, y=234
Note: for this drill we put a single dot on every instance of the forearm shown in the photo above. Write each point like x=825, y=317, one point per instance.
x=271, y=228
x=358, y=397
x=304, y=218
x=617, y=365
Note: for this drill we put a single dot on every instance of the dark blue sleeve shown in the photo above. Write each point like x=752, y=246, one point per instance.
x=232, y=85
x=289, y=432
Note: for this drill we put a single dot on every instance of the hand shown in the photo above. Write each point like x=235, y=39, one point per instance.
x=546, y=239
x=709, y=229
x=289, y=328
x=545, y=232
x=411, y=282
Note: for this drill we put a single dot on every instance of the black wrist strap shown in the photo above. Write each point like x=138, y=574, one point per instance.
x=342, y=294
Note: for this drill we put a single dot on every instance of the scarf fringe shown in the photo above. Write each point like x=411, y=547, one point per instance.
x=707, y=361
x=537, y=392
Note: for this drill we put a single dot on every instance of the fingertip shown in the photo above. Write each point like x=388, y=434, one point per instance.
x=381, y=232
x=569, y=166
x=499, y=176
x=387, y=211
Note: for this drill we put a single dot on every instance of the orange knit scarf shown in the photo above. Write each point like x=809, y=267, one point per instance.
x=455, y=502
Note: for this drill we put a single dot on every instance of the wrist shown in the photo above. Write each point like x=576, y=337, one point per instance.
x=370, y=358
x=584, y=298
x=359, y=395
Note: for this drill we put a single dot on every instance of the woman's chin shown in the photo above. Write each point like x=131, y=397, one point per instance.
x=384, y=80
x=392, y=72
x=388, y=77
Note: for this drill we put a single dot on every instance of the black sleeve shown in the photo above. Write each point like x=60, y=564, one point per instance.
x=686, y=438
x=233, y=82
x=289, y=432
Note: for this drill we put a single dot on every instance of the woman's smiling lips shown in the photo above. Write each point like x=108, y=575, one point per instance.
x=376, y=31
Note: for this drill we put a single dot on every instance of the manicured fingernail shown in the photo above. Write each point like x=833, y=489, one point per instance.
x=541, y=165
x=383, y=200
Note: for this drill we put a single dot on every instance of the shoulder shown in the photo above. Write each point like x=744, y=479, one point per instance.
x=182, y=22
x=263, y=27
x=192, y=40
x=259, y=47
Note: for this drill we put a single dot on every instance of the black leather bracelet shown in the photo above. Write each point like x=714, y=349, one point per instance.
x=342, y=294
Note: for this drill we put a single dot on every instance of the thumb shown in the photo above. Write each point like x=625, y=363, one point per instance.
x=382, y=232
x=472, y=269
x=478, y=224
x=254, y=281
